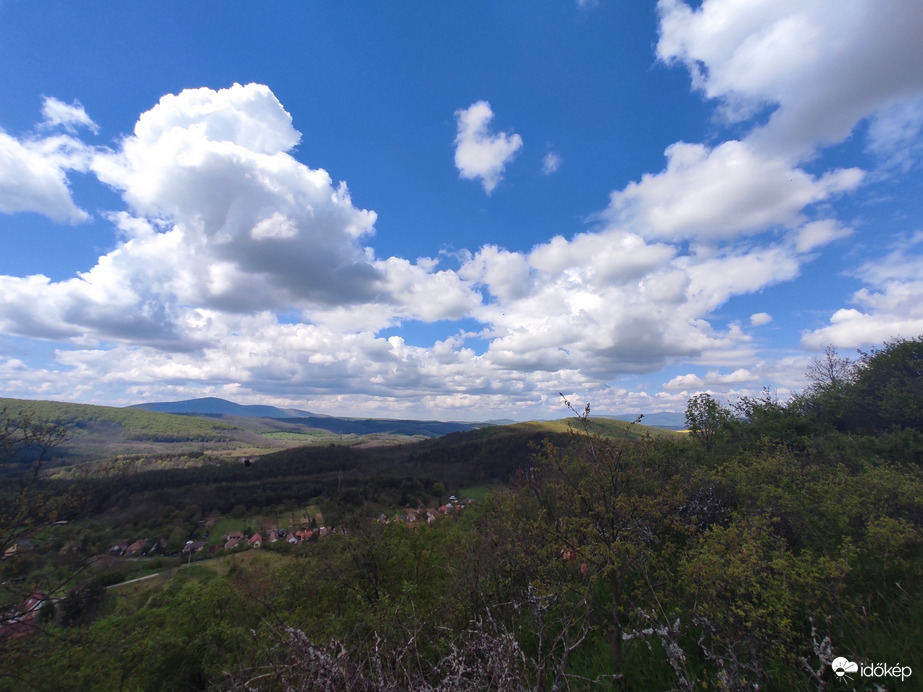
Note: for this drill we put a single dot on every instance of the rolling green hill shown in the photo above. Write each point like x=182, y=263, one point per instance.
x=606, y=427
x=489, y=454
x=458, y=449
x=131, y=424
x=297, y=420
x=99, y=431
x=102, y=432
x=349, y=475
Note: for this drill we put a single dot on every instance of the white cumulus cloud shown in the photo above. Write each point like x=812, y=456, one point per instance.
x=712, y=379
x=820, y=71
x=478, y=153
x=721, y=193
x=33, y=176
x=220, y=217
x=890, y=304
x=893, y=309
x=215, y=167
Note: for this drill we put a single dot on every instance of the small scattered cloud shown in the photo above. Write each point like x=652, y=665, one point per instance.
x=819, y=233
x=883, y=312
x=889, y=305
x=758, y=319
x=711, y=379
x=895, y=134
x=479, y=154
x=34, y=168
x=33, y=176
x=68, y=116
x=551, y=163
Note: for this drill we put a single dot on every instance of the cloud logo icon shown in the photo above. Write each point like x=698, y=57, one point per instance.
x=842, y=665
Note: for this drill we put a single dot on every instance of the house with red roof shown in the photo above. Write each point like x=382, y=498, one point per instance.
x=23, y=619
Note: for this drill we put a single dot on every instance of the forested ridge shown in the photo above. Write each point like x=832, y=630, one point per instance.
x=746, y=555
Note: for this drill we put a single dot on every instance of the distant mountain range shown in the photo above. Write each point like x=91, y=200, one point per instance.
x=213, y=406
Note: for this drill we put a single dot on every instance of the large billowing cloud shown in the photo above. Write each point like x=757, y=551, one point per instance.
x=259, y=229
x=820, y=69
x=727, y=191
x=805, y=75
x=222, y=217
x=478, y=153
x=610, y=303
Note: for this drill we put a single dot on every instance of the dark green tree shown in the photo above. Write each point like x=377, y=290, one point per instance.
x=707, y=420
x=887, y=392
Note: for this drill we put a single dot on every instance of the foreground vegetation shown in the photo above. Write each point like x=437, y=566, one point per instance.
x=746, y=555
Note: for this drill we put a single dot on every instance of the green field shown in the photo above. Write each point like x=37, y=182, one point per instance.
x=477, y=492
x=306, y=436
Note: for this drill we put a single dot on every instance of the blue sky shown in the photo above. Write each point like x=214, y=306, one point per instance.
x=453, y=210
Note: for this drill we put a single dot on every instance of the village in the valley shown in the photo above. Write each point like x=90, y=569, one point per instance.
x=26, y=616
x=410, y=517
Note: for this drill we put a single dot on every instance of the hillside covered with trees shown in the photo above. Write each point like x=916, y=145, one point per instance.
x=746, y=555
